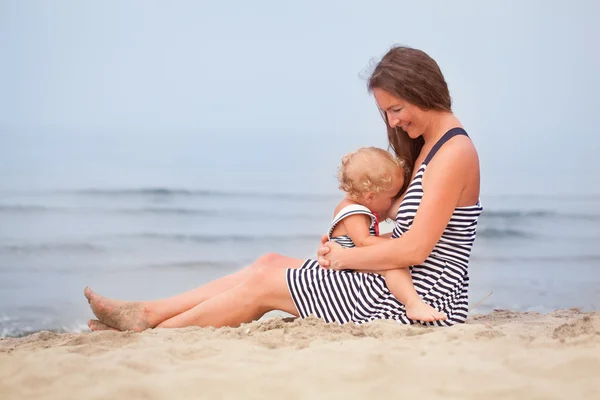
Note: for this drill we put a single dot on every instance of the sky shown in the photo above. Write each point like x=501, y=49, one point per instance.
x=267, y=93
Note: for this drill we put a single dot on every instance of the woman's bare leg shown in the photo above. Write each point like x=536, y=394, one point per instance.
x=159, y=310
x=139, y=316
x=264, y=291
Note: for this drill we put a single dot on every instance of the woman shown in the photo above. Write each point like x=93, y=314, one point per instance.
x=436, y=220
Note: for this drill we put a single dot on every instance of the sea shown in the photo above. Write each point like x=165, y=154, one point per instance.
x=532, y=253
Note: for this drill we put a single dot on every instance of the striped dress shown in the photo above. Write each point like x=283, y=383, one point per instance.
x=442, y=280
x=352, y=209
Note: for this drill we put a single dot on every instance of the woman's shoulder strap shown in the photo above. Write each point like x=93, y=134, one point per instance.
x=447, y=136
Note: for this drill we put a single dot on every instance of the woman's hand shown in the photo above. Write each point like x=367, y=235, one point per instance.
x=322, y=251
x=334, y=256
x=329, y=254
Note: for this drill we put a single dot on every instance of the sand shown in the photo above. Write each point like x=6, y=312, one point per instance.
x=501, y=355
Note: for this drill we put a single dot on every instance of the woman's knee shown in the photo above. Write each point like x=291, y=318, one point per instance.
x=259, y=282
x=269, y=260
x=269, y=269
x=267, y=273
x=266, y=285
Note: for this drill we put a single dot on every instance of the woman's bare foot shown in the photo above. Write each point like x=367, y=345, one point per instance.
x=96, y=325
x=419, y=311
x=121, y=315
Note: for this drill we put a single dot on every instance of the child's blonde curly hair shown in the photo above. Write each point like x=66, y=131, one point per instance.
x=369, y=169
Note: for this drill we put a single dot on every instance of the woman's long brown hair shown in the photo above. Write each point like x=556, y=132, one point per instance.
x=411, y=75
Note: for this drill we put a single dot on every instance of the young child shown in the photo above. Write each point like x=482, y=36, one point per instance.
x=372, y=178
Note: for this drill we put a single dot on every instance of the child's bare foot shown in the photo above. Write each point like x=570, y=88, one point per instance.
x=419, y=311
x=96, y=325
x=122, y=315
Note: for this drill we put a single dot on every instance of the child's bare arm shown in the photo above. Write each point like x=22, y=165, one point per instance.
x=357, y=227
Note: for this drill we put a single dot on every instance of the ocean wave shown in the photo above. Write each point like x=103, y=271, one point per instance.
x=512, y=215
x=566, y=258
x=158, y=211
x=26, y=209
x=193, y=265
x=217, y=213
x=16, y=331
x=29, y=248
x=519, y=213
x=499, y=233
x=234, y=238
x=174, y=192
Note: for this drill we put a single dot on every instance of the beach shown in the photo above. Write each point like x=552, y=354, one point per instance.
x=497, y=355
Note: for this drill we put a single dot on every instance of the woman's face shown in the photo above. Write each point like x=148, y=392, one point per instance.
x=401, y=114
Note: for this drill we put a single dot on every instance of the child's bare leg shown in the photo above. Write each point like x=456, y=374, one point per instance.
x=400, y=284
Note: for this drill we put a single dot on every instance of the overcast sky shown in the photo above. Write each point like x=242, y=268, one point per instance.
x=163, y=88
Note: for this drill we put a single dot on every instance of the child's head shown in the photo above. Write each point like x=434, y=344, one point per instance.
x=372, y=177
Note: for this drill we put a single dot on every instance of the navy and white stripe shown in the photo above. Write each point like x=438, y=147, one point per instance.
x=352, y=209
x=442, y=280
